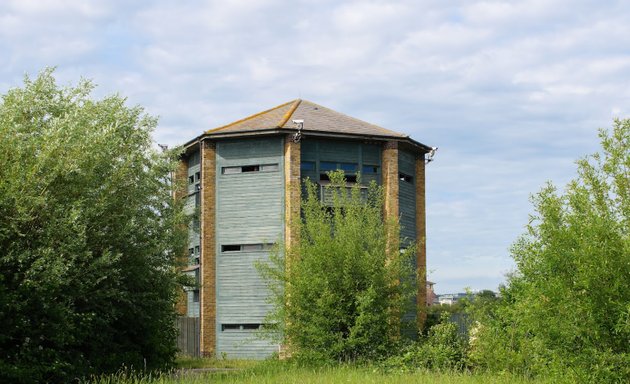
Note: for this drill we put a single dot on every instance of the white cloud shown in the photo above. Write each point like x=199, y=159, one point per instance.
x=511, y=92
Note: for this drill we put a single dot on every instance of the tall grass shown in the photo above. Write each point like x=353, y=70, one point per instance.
x=272, y=372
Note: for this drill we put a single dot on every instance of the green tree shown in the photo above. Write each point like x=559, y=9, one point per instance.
x=340, y=294
x=566, y=309
x=88, y=234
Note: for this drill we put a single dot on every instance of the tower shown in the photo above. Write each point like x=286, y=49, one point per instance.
x=244, y=180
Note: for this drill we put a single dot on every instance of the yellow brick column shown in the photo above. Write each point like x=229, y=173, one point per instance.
x=180, y=193
x=421, y=243
x=292, y=201
x=292, y=190
x=390, y=189
x=391, y=212
x=207, y=300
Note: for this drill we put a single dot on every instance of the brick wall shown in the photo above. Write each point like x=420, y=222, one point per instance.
x=208, y=308
x=390, y=189
x=292, y=190
x=421, y=244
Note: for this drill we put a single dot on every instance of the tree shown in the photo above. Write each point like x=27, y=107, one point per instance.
x=566, y=309
x=88, y=235
x=339, y=293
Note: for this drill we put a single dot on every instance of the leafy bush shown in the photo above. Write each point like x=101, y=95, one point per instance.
x=565, y=310
x=443, y=349
x=341, y=293
x=88, y=236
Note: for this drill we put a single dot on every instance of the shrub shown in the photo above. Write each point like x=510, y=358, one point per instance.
x=88, y=236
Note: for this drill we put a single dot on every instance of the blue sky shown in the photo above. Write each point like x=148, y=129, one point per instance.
x=512, y=92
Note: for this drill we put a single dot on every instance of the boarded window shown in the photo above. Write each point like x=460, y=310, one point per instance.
x=240, y=327
x=269, y=168
x=250, y=169
x=231, y=170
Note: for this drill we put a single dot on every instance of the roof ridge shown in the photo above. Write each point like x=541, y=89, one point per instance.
x=297, y=102
x=289, y=113
x=401, y=134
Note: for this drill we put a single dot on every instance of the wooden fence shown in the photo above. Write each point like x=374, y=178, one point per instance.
x=188, y=336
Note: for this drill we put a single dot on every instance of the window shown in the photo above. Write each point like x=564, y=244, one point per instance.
x=269, y=168
x=230, y=248
x=325, y=166
x=191, y=179
x=240, y=327
x=245, y=247
x=369, y=169
x=197, y=176
x=231, y=170
x=406, y=178
x=307, y=166
x=195, y=296
x=348, y=167
x=250, y=169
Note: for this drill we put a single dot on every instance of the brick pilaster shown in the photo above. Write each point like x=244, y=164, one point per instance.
x=292, y=191
x=390, y=216
x=390, y=189
x=208, y=302
x=292, y=201
x=421, y=244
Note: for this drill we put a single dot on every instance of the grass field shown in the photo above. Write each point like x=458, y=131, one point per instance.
x=197, y=371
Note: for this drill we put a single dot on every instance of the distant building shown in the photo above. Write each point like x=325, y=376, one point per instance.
x=432, y=298
x=245, y=180
x=451, y=298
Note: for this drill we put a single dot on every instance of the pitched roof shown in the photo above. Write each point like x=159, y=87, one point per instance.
x=316, y=119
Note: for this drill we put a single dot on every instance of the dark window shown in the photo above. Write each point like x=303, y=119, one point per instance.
x=195, y=297
x=327, y=166
x=231, y=248
x=246, y=247
x=191, y=179
x=349, y=178
x=307, y=166
x=250, y=168
x=348, y=167
x=370, y=169
x=405, y=178
x=197, y=176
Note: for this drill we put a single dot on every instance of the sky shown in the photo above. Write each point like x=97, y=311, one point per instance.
x=512, y=92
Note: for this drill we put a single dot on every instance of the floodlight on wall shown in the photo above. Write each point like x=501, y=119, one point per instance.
x=431, y=154
x=299, y=123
